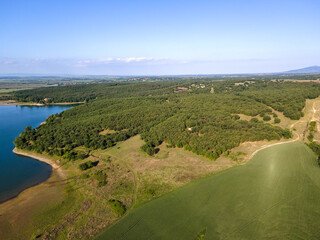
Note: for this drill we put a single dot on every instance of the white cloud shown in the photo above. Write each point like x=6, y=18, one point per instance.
x=7, y=61
x=101, y=61
x=142, y=66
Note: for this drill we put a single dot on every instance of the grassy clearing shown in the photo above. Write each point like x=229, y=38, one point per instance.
x=107, y=131
x=274, y=196
x=164, y=172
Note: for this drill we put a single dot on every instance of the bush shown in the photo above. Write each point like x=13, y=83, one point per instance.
x=84, y=176
x=254, y=120
x=277, y=120
x=312, y=126
x=149, y=149
x=117, y=207
x=150, y=192
x=101, y=177
x=310, y=137
x=102, y=183
x=287, y=134
x=235, y=117
x=86, y=165
x=315, y=147
x=266, y=118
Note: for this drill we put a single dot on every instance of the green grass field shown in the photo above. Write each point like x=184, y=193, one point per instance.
x=274, y=196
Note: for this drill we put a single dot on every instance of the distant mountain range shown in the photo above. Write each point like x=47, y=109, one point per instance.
x=312, y=69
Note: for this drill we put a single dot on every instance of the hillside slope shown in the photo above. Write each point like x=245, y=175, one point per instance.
x=312, y=69
x=275, y=196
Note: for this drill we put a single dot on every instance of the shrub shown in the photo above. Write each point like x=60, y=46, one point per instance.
x=315, y=147
x=151, y=192
x=277, y=120
x=312, y=126
x=149, y=149
x=101, y=177
x=310, y=137
x=86, y=165
x=102, y=183
x=117, y=207
x=235, y=117
x=266, y=118
x=84, y=176
x=254, y=120
x=287, y=134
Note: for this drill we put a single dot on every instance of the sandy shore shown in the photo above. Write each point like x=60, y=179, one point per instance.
x=42, y=159
x=12, y=102
x=17, y=213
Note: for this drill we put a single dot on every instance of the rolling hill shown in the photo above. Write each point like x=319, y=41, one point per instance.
x=307, y=70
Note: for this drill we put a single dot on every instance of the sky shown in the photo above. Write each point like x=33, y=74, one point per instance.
x=158, y=37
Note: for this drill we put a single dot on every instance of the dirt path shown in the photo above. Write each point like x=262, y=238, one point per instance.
x=271, y=145
x=314, y=118
x=293, y=124
x=313, y=113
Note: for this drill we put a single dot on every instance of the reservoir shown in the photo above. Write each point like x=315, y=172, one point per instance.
x=18, y=173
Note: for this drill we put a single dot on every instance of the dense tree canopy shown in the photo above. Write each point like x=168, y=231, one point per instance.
x=88, y=92
x=198, y=118
x=288, y=98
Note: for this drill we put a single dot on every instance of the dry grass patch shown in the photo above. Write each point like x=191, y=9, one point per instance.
x=168, y=169
x=107, y=131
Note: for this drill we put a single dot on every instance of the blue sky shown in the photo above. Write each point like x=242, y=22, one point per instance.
x=158, y=37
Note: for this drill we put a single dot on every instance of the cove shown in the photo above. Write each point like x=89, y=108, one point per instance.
x=18, y=173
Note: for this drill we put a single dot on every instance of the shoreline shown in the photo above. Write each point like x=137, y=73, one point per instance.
x=54, y=166
x=20, y=210
x=14, y=103
x=56, y=170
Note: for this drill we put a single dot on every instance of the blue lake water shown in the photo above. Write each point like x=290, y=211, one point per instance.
x=16, y=172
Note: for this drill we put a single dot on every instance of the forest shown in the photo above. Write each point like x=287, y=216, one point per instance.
x=202, y=118
x=89, y=92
